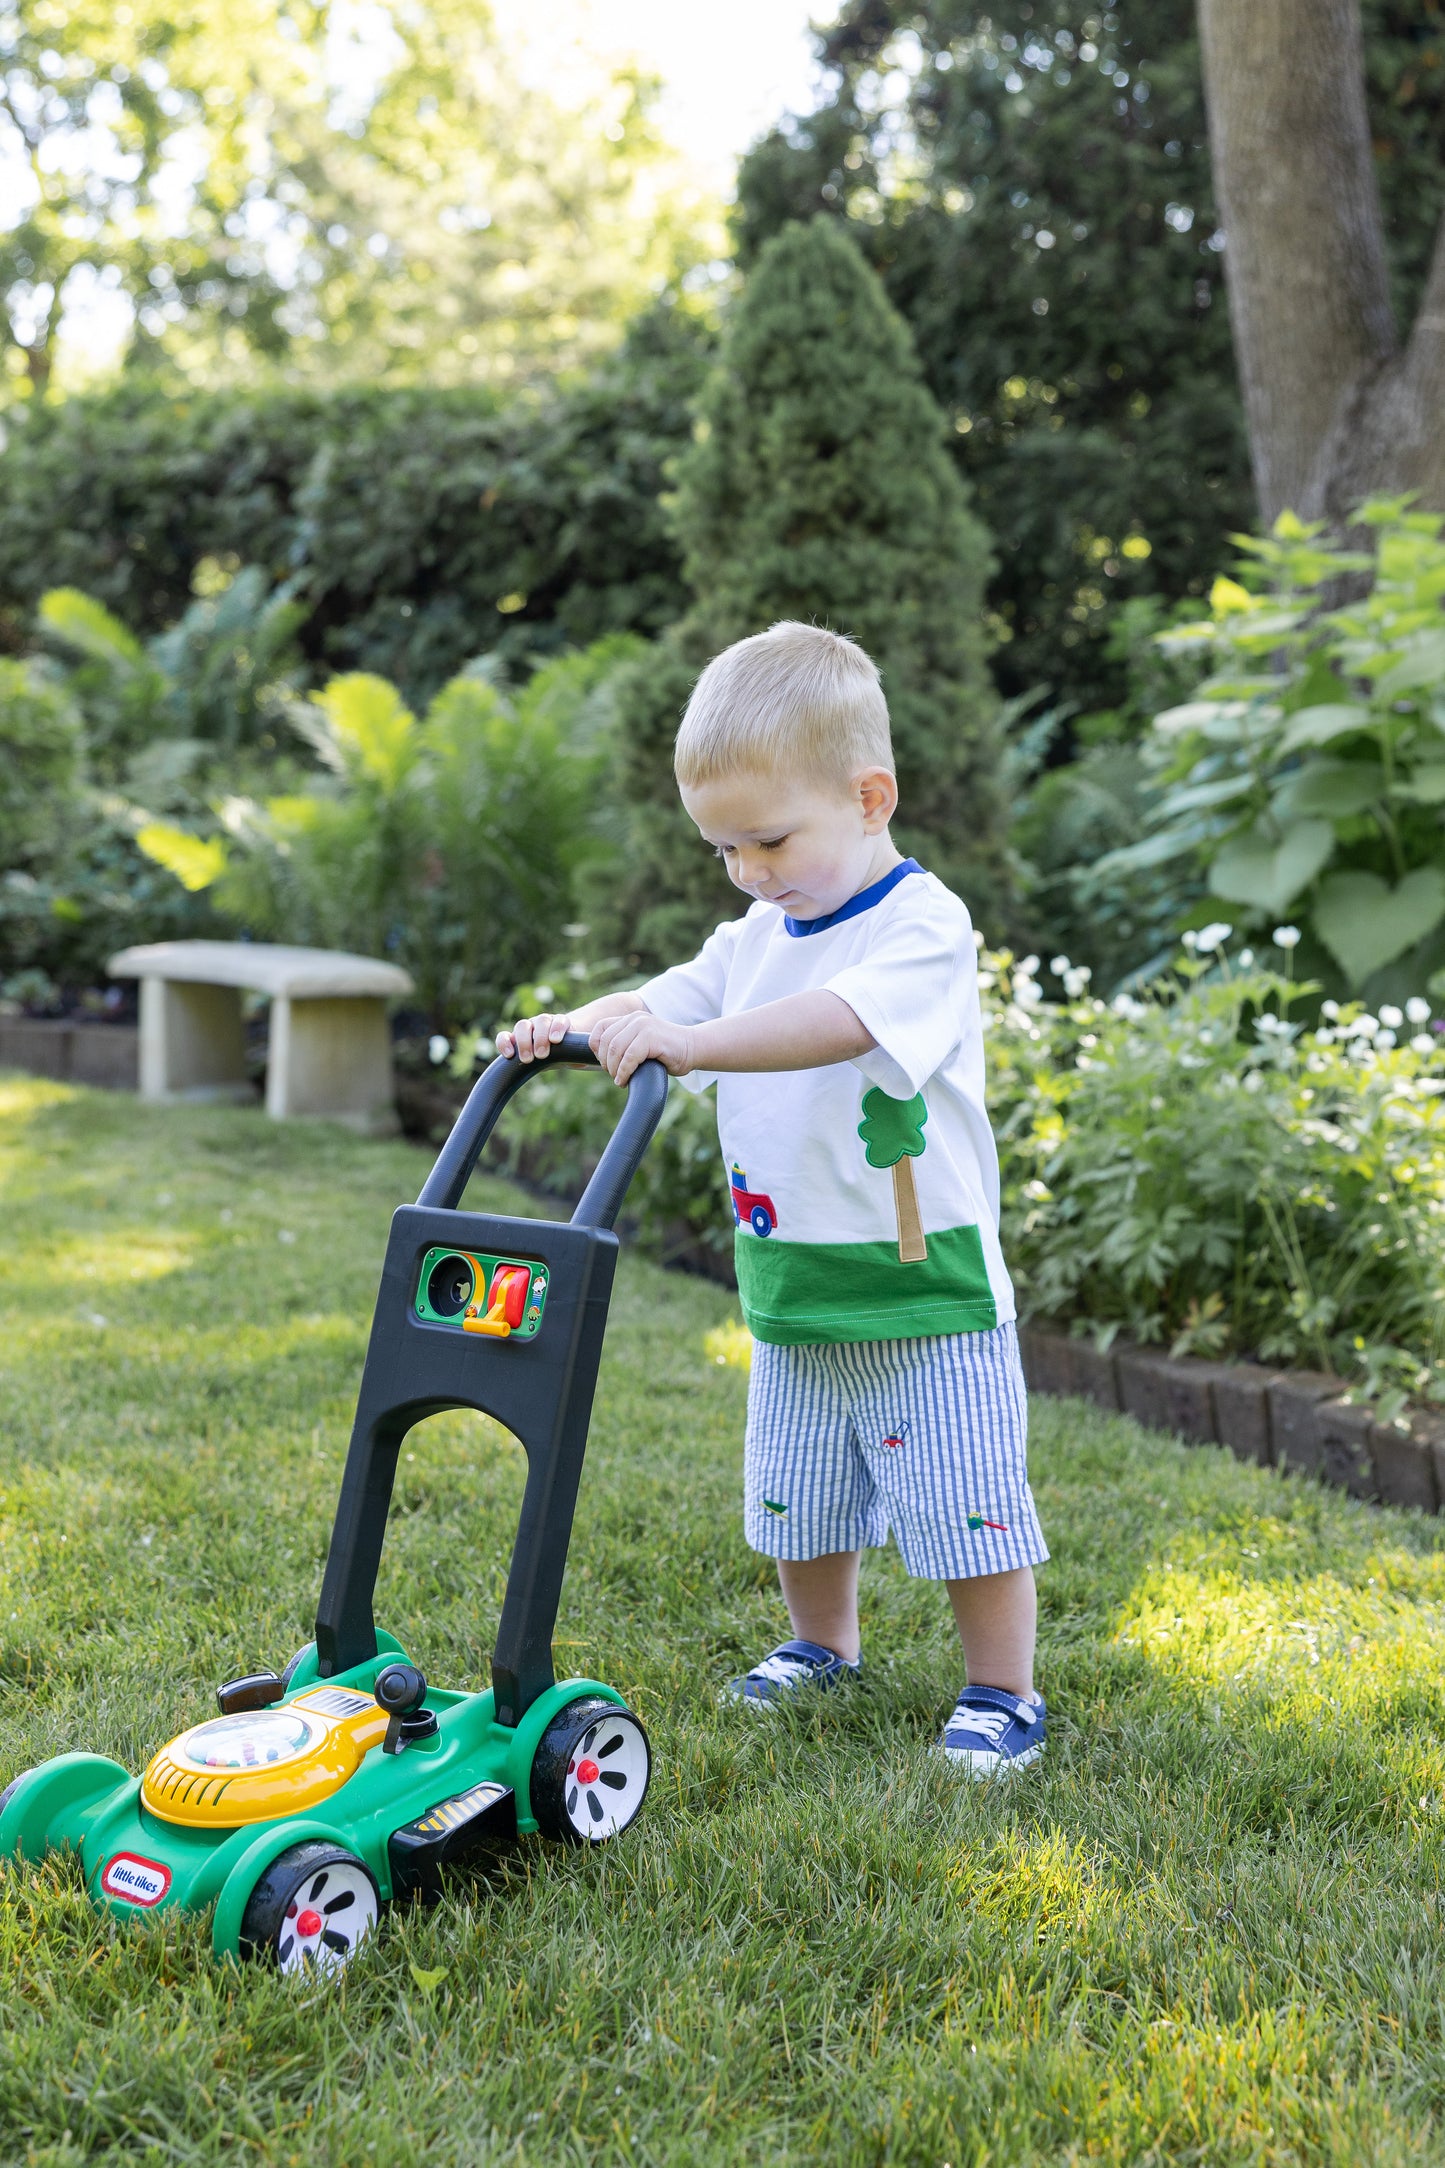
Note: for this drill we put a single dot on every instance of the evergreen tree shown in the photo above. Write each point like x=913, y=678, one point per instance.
x=818, y=487
x=1031, y=179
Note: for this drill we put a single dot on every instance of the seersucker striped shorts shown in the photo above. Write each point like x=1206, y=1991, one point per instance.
x=927, y=1438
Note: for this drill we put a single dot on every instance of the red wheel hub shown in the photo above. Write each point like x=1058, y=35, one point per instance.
x=588, y=1771
x=309, y=1923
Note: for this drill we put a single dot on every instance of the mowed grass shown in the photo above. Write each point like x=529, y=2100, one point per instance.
x=1207, y=1928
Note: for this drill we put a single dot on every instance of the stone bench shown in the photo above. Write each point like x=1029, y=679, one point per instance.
x=330, y=1046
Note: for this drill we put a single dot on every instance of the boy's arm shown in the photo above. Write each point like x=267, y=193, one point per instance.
x=803, y=1031
x=532, y=1038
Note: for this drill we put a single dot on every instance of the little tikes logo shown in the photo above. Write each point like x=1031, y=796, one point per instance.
x=137, y=1881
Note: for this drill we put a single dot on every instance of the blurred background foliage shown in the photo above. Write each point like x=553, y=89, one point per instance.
x=435, y=381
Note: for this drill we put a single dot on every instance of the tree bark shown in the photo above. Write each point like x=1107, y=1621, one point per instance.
x=1336, y=407
x=912, y=1245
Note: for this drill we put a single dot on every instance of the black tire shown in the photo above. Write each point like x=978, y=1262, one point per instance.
x=11, y=1788
x=290, y=1672
x=609, y=1738
x=317, y=1879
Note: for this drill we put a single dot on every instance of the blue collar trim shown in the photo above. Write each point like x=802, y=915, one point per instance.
x=863, y=901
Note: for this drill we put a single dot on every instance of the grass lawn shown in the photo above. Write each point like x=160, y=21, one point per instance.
x=1206, y=1929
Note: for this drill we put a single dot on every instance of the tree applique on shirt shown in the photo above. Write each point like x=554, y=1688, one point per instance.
x=892, y=1129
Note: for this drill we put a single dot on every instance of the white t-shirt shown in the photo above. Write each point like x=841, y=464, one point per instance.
x=866, y=1193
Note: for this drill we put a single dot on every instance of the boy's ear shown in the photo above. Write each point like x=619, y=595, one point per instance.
x=875, y=793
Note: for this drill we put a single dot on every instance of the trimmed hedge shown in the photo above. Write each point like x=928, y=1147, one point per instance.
x=422, y=526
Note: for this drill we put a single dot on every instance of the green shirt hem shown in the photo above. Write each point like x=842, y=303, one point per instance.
x=799, y=1293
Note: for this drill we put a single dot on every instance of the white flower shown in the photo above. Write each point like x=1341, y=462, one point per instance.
x=1286, y=937
x=1246, y=958
x=1391, y=1016
x=1213, y=936
x=1029, y=966
x=1331, y=1009
x=1059, y=966
x=1385, y=1040
x=1417, y=1010
x=1076, y=980
x=437, y=1048
x=544, y=994
x=1422, y=1044
x=1190, y=939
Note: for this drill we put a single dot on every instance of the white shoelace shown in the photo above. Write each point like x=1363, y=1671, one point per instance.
x=990, y=1723
x=782, y=1670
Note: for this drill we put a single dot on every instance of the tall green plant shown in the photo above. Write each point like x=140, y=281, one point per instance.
x=448, y=842
x=1308, y=772
x=215, y=682
x=818, y=487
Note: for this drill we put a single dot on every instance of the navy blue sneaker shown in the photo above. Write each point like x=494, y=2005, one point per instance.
x=790, y=1666
x=991, y=1732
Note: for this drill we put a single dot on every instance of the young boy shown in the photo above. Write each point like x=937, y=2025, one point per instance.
x=840, y=1021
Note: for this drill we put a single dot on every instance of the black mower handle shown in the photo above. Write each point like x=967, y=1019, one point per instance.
x=601, y=1201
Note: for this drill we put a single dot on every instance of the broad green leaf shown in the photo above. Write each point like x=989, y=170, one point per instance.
x=1255, y=869
x=1425, y=785
x=1423, y=664
x=1194, y=796
x=1330, y=790
x=1366, y=924
x=1194, y=714
x=1317, y=726
x=196, y=861
x=1228, y=599
x=1289, y=527
x=83, y=623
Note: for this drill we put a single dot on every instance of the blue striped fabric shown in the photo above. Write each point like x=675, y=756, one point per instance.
x=927, y=1437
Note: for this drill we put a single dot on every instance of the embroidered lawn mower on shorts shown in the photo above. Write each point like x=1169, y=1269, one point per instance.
x=345, y=1780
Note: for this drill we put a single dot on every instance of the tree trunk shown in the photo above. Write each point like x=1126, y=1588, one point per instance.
x=912, y=1247
x=1336, y=407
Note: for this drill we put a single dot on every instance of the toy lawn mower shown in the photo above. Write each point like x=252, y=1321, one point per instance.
x=346, y=1780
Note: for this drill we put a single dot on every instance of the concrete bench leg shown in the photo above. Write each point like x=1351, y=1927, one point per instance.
x=192, y=1045
x=331, y=1057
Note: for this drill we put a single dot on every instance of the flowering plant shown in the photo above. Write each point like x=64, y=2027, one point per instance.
x=1200, y=1168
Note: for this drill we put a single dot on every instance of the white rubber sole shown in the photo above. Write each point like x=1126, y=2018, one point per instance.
x=975, y=1763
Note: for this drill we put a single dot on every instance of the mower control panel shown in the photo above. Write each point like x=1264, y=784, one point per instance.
x=498, y=1297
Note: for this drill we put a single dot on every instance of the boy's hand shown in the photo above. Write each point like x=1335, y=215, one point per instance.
x=532, y=1038
x=623, y=1043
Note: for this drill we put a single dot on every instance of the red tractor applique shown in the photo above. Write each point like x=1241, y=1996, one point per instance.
x=751, y=1205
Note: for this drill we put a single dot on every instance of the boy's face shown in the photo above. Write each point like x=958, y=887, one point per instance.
x=800, y=844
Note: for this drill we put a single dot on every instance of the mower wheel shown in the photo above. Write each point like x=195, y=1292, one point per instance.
x=311, y=1909
x=12, y=1788
x=590, y=1772
x=295, y=1664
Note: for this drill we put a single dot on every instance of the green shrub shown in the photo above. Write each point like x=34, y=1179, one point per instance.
x=1308, y=772
x=819, y=488
x=421, y=526
x=1198, y=1169
x=212, y=687
x=40, y=750
x=449, y=843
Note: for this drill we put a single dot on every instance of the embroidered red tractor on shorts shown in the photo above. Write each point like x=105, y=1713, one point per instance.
x=751, y=1205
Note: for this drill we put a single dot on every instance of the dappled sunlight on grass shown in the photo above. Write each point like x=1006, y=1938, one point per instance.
x=58, y=1271
x=1247, y=1613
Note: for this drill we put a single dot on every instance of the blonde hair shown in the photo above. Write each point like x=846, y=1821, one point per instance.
x=793, y=700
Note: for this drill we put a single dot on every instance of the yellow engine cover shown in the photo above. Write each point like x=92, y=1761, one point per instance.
x=251, y=1768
